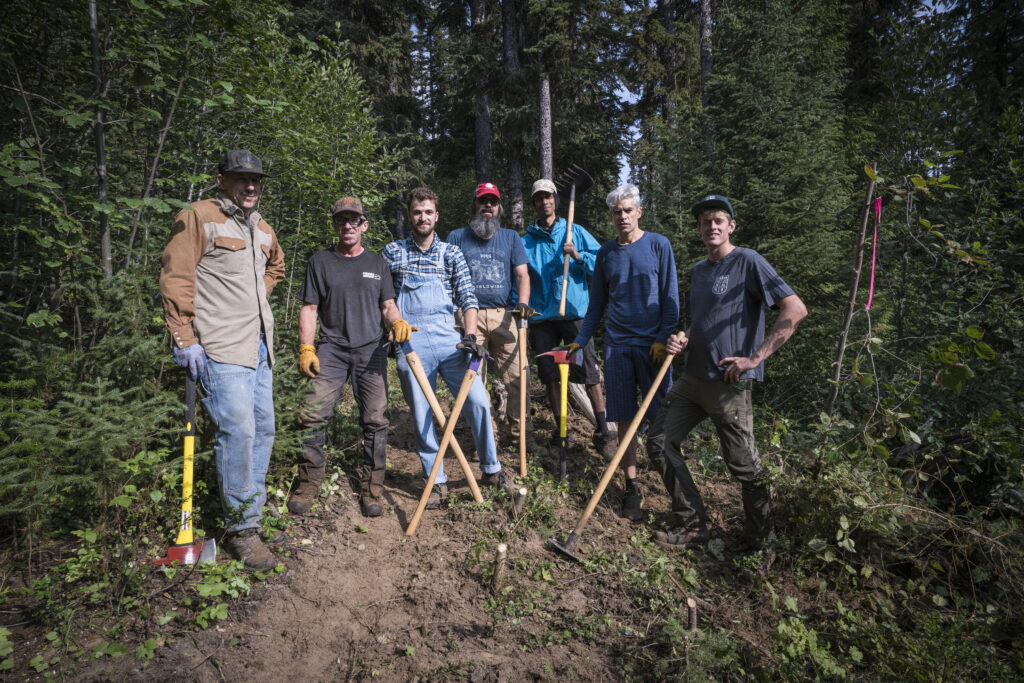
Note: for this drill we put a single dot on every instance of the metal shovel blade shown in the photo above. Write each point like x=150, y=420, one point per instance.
x=567, y=548
x=192, y=553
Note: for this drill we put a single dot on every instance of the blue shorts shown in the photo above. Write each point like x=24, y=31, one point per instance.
x=629, y=372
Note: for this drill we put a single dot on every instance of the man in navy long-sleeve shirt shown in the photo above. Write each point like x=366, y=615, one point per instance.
x=635, y=284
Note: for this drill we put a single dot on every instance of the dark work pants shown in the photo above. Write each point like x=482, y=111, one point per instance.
x=729, y=406
x=366, y=366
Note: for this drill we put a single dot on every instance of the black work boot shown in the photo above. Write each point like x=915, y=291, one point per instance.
x=371, y=493
x=632, y=502
x=304, y=496
x=246, y=545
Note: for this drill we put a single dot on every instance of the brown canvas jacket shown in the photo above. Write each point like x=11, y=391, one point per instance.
x=215, y=286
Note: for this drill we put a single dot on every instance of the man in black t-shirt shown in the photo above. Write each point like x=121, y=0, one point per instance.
x=729, y=291
x=349, y=290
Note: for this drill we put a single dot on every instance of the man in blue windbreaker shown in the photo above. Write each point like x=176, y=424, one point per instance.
x=545, y=250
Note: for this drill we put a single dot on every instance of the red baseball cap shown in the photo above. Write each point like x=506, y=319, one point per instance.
x=487, y=188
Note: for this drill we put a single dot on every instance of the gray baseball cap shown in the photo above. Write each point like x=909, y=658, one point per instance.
x=543, y=185
x=241, y=161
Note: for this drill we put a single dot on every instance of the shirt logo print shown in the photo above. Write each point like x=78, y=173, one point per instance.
x=371, y=276
x=721, y=285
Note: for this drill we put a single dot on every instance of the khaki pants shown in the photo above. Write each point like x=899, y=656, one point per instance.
x=497, y=330
x=729, y=406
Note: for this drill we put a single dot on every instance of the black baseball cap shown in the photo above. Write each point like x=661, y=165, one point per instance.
x=240, y=161
x=712, y=201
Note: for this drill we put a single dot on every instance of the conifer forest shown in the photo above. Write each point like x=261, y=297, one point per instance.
x=872, y=150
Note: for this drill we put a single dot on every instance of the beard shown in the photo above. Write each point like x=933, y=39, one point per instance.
x=484, y=227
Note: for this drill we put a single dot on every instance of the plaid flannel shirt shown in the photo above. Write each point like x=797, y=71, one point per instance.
x=456, y=278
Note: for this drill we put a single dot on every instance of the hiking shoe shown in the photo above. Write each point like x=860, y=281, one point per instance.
x=247, y=546
x=438, y=495
x=499, y=479
x=371, y=505
x=683, y=538
x=303, y=497
x=606, y=444
x=632, y=501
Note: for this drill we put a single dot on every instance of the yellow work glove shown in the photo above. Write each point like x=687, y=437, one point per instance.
x=657, y=353
x=309, y=364
x=401, y=331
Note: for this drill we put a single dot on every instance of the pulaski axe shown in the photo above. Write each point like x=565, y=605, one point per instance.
x=185, y=550
x=568, y=546
x=563, y=359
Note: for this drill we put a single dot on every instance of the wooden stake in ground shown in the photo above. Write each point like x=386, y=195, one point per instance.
x=500, y=560
x=449, y=428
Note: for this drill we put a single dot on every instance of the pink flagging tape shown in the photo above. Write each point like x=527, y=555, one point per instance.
x=874, y=251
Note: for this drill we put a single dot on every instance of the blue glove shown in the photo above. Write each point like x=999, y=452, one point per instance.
x=193, y=358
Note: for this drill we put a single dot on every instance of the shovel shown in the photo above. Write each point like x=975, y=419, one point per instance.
x=185, y=550
x=576, y=180
x=449, y=428
x=413, y=359
x=563, y=358
x=568, y=546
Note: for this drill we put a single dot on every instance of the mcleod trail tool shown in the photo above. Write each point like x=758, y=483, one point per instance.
x=577, y=181
x=568, y=547
x=563, y=358
x=449, y=428
x=185, y=550
x=413, y=359
x=523, y=381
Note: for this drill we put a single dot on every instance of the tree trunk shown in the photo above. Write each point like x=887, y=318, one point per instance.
x=669, y=59
x=547, y=166
x=707, y=127
x=510, y=42
x=482, y=128
x=106, y=259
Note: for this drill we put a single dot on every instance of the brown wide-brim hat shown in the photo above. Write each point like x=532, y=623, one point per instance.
x=241, y=161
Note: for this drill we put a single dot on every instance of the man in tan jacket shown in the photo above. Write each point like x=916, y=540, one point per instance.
x=219, y=268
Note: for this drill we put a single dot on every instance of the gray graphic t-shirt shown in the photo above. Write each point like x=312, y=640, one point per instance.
x=727, y=302
x=491, y=263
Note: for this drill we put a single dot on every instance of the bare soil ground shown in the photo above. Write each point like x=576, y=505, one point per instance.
x=358, y=599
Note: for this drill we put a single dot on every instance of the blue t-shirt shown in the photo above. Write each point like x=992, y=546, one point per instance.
x=727, y=302
x=491, y=263
x=637, y=284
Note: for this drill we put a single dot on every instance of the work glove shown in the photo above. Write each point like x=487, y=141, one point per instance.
x=658, y=353
x=192, y=358
x=522, y=310
x=469, y=344
x=401, y=331
x=309, y=364
x=571, y=348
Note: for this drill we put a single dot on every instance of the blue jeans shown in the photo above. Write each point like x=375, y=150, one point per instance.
x=240, y=403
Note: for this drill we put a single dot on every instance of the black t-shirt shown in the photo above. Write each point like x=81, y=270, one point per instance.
x=348, y=293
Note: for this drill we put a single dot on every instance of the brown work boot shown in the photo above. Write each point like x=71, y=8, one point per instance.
x=683, y=537
x=499, y=479
x=438, y=495
x=371, y=492
x=247, y=546
x=606, y=444
x=303, y=497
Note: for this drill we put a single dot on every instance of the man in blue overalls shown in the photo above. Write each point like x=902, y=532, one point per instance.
x=431, y=278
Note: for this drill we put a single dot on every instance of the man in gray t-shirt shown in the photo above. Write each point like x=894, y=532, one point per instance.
x=729, y=291
x=497, y=262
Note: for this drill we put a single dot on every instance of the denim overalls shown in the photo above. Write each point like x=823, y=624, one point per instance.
x=425, y=304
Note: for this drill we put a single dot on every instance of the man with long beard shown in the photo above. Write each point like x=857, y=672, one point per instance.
x=497, y=260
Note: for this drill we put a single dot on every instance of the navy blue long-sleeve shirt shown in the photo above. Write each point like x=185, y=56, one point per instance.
x=636, y=285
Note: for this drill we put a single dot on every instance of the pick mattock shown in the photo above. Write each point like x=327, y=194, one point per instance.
x=185, y=550
x=449, y=428
x=523, y=382
x=568, y=546
x=577, y=181
x=563, y=359
x=413, y=359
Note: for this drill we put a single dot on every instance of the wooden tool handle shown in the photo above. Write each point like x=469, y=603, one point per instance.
x=567, y=259
x=624, y=440
x=523, y=382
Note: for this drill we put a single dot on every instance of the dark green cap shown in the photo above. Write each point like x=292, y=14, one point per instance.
x=241, y=161
x=712, y=201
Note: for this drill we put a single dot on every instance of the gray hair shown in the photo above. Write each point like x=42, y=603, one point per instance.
x=621, y=193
